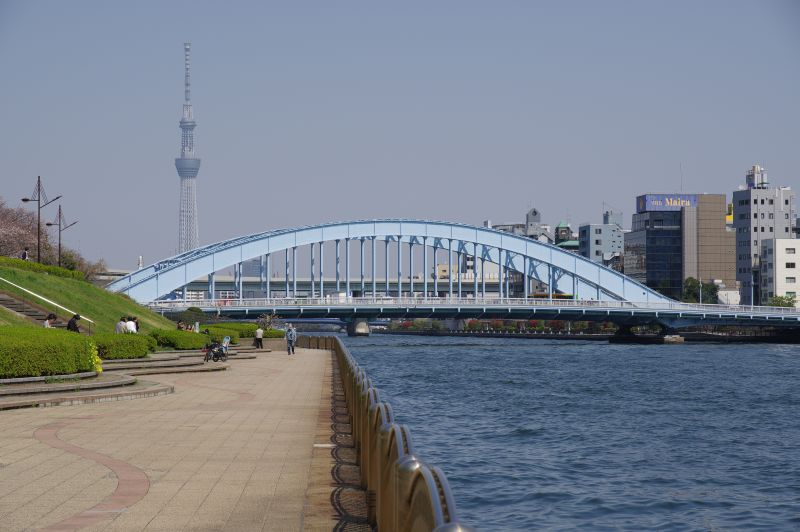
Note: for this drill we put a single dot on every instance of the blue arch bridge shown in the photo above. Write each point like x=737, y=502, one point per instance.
x=415, y=268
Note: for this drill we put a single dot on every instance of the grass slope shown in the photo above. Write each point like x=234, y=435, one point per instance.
x=8, y=317
x=103, y=307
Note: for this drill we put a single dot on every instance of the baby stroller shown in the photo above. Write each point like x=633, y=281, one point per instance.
x=217, y=351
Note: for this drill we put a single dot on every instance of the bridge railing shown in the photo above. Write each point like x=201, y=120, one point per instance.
x=380, y=301
x=403, y=493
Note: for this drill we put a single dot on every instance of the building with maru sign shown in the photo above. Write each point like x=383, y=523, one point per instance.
x=677, y=236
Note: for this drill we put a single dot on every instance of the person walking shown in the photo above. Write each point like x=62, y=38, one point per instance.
x=122, y=326
x=49, y=321
x=24, y=255
x=72, y=324
x=259, y=338
x=291, y=338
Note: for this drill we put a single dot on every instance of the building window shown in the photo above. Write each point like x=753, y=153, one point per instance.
x=755, y=229
x=791, y=280
x=770, y=229
x=771, y=216
x=598, y=242
x=786, y=202
x=598, y=231
x=790, y=251
x=755, y=201
x=762, y=215
x=791, y=294
x=755, y=216
x=771, y=202
x=790, y=264
x=762, y=229
x=597, y=252
x=762, y=201
x=785, y=229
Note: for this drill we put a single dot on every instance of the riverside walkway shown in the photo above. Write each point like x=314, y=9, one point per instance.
x=243, y=449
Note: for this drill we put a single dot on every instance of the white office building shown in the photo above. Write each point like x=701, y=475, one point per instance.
x=779, y=268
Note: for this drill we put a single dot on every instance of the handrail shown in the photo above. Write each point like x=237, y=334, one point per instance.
x=44, y=299
x=403, y=492
x=369, y=302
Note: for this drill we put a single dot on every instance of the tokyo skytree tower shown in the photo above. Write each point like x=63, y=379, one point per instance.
x=187, y=165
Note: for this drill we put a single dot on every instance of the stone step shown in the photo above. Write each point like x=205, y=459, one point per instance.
x=93, y=383
x=148, y=364
x=132, y=391
x=154, y=357
x=199, y=368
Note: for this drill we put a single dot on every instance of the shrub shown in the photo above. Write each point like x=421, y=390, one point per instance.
x=179, y=339
x=274, y=333
x=218, y=333
x=115, y=346
x=41, y=268
x=37, y=352
x=245, y=330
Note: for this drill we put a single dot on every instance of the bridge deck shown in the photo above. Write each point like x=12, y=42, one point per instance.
x=227, y=451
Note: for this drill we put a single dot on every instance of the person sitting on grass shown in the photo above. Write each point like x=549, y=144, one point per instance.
x=122, y=326
x=49, y=321
x=72, y=324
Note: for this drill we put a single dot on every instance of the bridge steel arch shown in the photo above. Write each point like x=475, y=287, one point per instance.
x=560, y=270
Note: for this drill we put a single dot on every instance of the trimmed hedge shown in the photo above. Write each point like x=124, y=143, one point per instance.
x=274, y=333
x=218, y=333
x=41, y=268
x=111, y=346
x=245, y=330
x=37, y=352
x=179, y=339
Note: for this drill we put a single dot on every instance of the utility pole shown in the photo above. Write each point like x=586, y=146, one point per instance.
x=39, y=196
x=60, y=221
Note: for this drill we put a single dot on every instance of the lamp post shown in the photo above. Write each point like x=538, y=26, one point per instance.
x=38, y=196
x=60, y=221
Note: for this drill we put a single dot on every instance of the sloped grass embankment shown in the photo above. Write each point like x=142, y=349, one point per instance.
x=82, y=297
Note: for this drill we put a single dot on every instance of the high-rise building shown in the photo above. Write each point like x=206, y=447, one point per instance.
x=188, y=165
x=760, y=213
x=676, y=236
x=603, y=243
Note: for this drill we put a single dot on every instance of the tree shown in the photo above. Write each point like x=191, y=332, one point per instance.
x=691, y=291
x=782, y=301
x=18, y=231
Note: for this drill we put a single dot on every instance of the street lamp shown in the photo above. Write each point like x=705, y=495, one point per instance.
x=60, y=221
x=38, y=196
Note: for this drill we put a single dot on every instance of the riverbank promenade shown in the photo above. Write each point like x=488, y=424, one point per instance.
x=242, y=449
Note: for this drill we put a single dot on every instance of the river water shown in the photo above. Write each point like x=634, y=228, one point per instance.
x=559, y=435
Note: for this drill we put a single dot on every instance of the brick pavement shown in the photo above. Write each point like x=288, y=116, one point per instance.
x=228, y=450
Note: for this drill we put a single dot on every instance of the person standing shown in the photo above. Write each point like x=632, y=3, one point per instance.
x=24, y=255
x=291, y=338
x=130, y=326
x=72, y=324
x=259, y=338
x=122, y=326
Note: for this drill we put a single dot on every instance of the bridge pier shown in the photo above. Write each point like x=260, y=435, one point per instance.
x=358, y=327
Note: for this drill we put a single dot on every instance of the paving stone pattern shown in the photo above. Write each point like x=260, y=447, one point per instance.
x=227, y=450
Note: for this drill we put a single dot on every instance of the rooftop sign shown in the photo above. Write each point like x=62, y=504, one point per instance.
x=665, y=202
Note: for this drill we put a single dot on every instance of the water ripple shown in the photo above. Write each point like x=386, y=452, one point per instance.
x=580, y=435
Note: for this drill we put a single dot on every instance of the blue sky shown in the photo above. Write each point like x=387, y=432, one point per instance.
x=315, y=112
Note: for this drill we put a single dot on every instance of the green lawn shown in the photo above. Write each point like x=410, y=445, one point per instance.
x=103, y=307
x=12, y=318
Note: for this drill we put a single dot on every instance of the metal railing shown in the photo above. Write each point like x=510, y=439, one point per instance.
x=383, y=301
x=403, y=493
